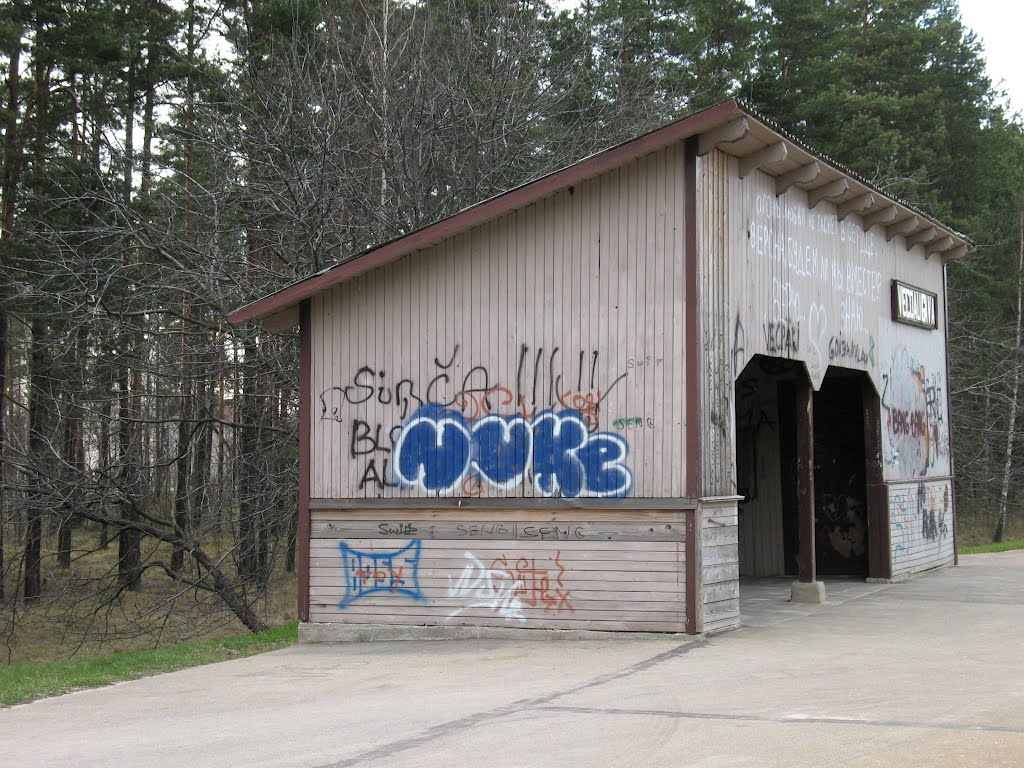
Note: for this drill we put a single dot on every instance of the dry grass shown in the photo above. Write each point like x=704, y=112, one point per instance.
x=81, y=613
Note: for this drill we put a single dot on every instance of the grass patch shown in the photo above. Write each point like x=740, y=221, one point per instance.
x=1002, y=546
x=25, y=682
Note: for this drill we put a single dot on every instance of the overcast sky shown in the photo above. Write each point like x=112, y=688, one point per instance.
x=998, y=23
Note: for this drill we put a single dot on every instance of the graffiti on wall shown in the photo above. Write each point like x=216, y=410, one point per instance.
x=834, y=262
x=920, y=516
x=547, y=381
x=389, y=573
x=912, y=399
x=634, y=422
x=506, y=585
x=509, y=585
x=439, y=449
x=845, y=351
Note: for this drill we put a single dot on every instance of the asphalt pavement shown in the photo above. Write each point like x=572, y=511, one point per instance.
x=925, y=673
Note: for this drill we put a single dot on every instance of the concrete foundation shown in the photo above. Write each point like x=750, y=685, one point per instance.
x=807, y=592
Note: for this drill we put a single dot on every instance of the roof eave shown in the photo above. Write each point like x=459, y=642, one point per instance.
x=486, y=210
x=723, y=126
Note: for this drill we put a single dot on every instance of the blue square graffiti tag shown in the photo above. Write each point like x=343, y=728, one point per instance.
x=390, y=573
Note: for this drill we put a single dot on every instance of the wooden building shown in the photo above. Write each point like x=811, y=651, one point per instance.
x=597, y=400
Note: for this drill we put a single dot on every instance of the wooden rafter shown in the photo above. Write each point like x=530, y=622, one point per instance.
x=902, y=227
x=773, y=153
x=805, y=174
x=884, y=216
x=725, y=134
x=828, y=191
x=856, y=205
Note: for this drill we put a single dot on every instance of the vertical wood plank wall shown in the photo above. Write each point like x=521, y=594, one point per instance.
x=761, y=532
x=573, y=304
x=799, y=284
x=721, y=349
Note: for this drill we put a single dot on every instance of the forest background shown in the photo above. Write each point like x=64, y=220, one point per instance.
x=164, y=163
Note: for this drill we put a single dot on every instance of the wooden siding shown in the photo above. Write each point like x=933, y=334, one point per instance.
x=720, y=566
x=805, y=286
x=921, y=526
x=720, y=348
x=760, y=514
x=573, y=304
x=780, y=279
x=615, y=570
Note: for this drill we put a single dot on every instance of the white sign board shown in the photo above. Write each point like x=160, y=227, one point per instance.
x=914, y=306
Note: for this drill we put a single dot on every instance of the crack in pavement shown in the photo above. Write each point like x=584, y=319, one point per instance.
x=784, y=720
x=444, y=729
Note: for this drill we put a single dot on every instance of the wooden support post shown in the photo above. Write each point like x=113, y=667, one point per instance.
x=694, y=591
x=305, y=450
x=805, y=478
x=879, y=538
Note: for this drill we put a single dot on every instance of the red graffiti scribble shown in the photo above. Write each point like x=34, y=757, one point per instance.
x=390, y=576
x=533, y=584
x=475, y=405
x=472, y=485
x=587, y=403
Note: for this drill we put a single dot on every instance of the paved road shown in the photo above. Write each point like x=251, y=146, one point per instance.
x=928, y=673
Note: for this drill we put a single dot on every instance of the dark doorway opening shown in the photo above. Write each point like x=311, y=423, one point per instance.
x=766, y=465
x=850, y=517
x=840, y=482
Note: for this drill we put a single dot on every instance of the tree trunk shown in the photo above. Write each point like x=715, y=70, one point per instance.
x=8, y=187
x=248, y=506
x=40, y=383
x=200, y=479
x=64, y=531
x=184, y=450
x=104, y=466
x=72, y=448
x=129, y=558
x=1004, y=507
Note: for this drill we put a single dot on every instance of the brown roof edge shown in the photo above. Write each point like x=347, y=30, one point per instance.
x=487, y=210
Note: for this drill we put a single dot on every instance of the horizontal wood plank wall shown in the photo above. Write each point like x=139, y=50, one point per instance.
x=720, y=565
x=921, y=526
x=605, y=570
x=573, y=304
